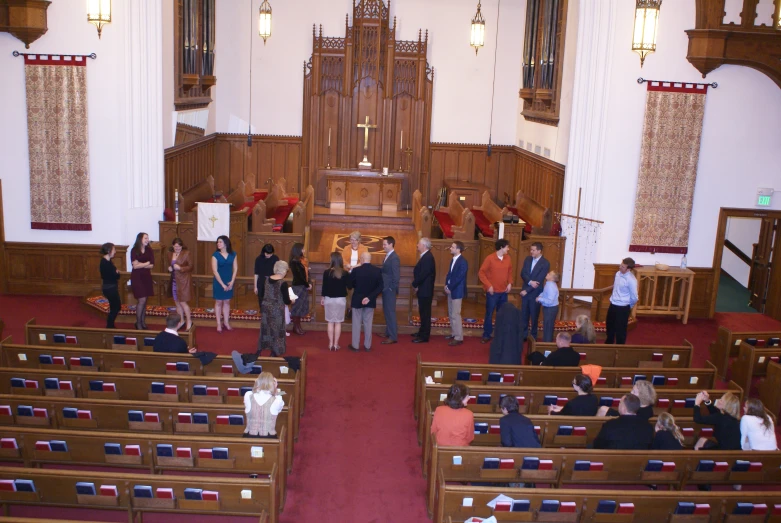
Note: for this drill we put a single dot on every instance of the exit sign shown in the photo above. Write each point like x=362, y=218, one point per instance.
x=764, y=197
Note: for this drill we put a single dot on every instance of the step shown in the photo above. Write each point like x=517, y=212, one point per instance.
x=358, y=222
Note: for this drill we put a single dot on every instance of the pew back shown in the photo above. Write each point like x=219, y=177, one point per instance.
x=421, y=216
x=770, y=388
x=752, y=361
x=650, y=356
x=61, y=336
x=728, y=342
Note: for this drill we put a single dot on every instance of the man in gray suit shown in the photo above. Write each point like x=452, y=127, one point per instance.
x=391, y=273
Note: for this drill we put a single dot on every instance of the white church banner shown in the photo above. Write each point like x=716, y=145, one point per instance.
x=213, y=221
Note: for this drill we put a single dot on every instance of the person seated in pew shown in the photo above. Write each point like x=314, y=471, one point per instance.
x=667, y=435
x=516, y=430
x=757, y=430
x=563, y=356
x=169, y=340
x=647, y=394
x=585, y=332
x=262, y=405
x=584, y=404
x=724, y=415
x=454, y=424
x=628, y=431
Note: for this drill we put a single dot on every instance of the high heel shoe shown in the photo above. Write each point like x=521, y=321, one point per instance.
x=139, y=327
x=228, y=327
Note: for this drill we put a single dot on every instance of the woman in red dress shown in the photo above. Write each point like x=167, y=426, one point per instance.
x=143, y=259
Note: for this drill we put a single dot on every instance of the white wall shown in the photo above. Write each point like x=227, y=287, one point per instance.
x=462, y=81
x=169, y=115
x=744, y=233
x=740, y=143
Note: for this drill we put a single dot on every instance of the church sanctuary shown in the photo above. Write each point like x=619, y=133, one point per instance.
x=381, y=261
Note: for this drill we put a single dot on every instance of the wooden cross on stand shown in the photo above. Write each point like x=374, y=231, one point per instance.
x=365, y=163
x=578, y=219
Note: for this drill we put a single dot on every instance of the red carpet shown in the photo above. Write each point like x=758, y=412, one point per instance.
x=357, y=458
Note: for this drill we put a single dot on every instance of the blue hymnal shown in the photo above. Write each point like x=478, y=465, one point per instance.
x=549, y=505
x=751, y=341
x=182, y=366
x=483, y=399
x=198, y=390
x=70, y=412
x=58, y=446
x=658, y=380
x=96, y=385
x=46, y=359
x=741, y=466
x=119, y=340
x=236, y=419
x=690, y=402
x=530, y=464
x=481, y=428
x=705, y=465
x=51, y=383
x=605, y=401
x=219, y=453
x=773, y=342
x=639, y=377
x=201, y=418
x=149, y=342
x=491, y=463
x=158, y=387
x=165, y=450
x=135, y=415
x=85, y=488
x=112, y=448
x=193, y=493
x=24, y=485
x=142, y=491
x=521, y=505
x=684, y=507
x=564, y=430
x=59, y=338
x=606, y=506
x=494, y=377
x=256, y=369
x=17, y=382
x=463, y=375
x=244, y=390
x=550, y=400
x=653, y=465
x=582, y=465
x=86, y=361
x=24, y=410
x=743, y=508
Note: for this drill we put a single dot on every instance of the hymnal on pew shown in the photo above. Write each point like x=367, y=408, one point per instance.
x=7, y=485
x=521, y=505
x=184, y=452
x=606, y=506
x=133, y=450
x=114, y=449
x=135, y=415
x=24, y=485
x=205, y=453
x=66, y=385
x=85, y=488
x=8, y=443
x=59, y=338
x=23, y=410
x=43, y=446
x=5, y=410
x=201, y=418
x=142, y=491
x=86, y=361
x=84, y=414
x=17, y=382
x=236, y=419
x=58, y=360
x=210, y=495
x=40, y=412
x=184, y=417
x=182, y=366
x=200, y=390
x=491, y=463
x=164, y=493
x=165, y=450
x=96, y=385
x=109, y=490
x=658, y=381
x=151, y=417
x=158, y=387
x=212, y=391
x=193, y=493
x=256, y=369
x=70, y=412
x=45, y=359
x=549, y=505
x=59, y=445
x=220, y=453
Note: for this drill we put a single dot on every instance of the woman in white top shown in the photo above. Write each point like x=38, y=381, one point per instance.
x=757, y=430
x=262, y=405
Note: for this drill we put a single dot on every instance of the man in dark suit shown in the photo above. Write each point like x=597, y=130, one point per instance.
x=516, y=430
x=391, y=274
x=535, y=268
x=169, y=340
x=455, y=288
x=423, y=282
x=366, y=282
x=563, y=356
x=628, y=431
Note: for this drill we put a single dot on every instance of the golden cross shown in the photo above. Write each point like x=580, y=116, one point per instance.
x=366, y=128
x=213, y=219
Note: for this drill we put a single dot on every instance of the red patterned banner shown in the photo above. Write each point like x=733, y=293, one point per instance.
x=668, y=167
x=58, y=142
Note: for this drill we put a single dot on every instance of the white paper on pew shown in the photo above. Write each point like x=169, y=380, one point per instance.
x=283, y=370
x=430, y=380
x=497, y=499
x=246, y=494
x=467, y=502
x=761, y=359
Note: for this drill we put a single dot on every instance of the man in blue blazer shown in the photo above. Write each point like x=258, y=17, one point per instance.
x=535, y=268
x=455, y=288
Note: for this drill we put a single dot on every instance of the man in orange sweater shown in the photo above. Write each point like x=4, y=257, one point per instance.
x=496, y=276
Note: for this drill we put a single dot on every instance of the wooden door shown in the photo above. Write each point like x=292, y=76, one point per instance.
x=762, y=277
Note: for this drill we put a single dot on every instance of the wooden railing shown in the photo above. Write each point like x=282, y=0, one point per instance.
x=189, y=164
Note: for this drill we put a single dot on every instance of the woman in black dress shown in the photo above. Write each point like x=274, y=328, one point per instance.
x=264, y=267
x=724, y=415
x=272, y=320
x=668, y=436
x=110, y=276
x=143, y=259
x=584, y=404
x=299, y=266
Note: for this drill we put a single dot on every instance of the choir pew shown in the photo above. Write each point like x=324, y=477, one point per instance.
x=57, y=488
x=421, y=216
x=115, y=415
x=599, y=467
x=654, y=356
x=62, y=336
x=455, y=221
x=486, y=214
x=539, y=219
x=770, y=388
x=81, y=449
x=727, y=345
x=752, y=361
x=458, y=503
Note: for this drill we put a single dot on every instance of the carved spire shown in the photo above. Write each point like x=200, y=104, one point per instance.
x=426, y=35
x=314, y=30
x=321, y=30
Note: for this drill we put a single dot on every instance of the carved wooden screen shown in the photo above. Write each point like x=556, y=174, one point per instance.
x=194, y=39
x=367, y=73
x=543, y=54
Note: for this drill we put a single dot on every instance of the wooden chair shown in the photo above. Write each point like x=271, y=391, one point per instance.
x=727, y=345
x=63, y=336
x=455, y=221
x=421, y=216
x=486, y=214
x=538, y=218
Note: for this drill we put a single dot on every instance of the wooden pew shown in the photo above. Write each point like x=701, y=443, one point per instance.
x=82, y=450
x=727, y=345
x=279, y=204
x=672, y=356
x=486, y=214
x=752, y=361
x=304, y=210
x=656, y=506
x=142, y=362
x=93, y=337
x=770, y=388
x=421, y=216
x=239, y=201
x=533, y=399
x=618, y=467
x=538, y=217
x=456, y=221
x=202, y=192
x=112, y=415
x=57, y=488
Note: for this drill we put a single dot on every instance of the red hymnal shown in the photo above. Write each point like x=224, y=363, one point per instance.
x=776, y=509
x=5, y=410
x=7, y=484
x=582, y=356
x=40, y=413
x=663, y=403
x=706, y=432
x=43, y=446
x=472, y=400
x=759, y=508
x=596, y=465
x=537, y=429
x=687, y=432
x=164, y=493
x=204, y=453
x=476, y=377
x=151, y=417
x=521, y=400
x=131, y=341
x=171, y=389
x=561, y=401
x=755, y=466
x=671, y=382
x=579, y=431
x=668, y=466
x=184, y=417
x=109, y=490
x=184, y=452
x=626, y=508
x=720, y=466
x=626, y=380
x=8, y=443
x=30, y=384
x=58, y=360
x=502, y=506
x=223, y=420
x=84, y=414
x=568, y=506
x=71, y=339
x=212, y=391
x=601, y=380
x=227, y=369
x=657, y=356
x=494, y=429
x=128, y=364
x=679, y=404
x=506, y=463
x=508, y=378
x=109, y=387
x=701, y=508
x=171, y=365
x=132, y=450
x=210, y=495
x=233, y=391
x=76, y=362
x=66, y=385
x=546, y=464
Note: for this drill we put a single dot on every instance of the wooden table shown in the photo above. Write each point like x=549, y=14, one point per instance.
x=664, y=293
x=363, y=190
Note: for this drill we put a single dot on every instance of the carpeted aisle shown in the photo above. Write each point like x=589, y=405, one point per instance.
x=357, y=458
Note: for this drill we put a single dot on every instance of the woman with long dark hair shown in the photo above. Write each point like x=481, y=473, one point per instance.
x=334, y=298
x=142, y=259
x=757, y=430
x=110, y=276
x=181, y=281
x=299, y=266
x=225, y=269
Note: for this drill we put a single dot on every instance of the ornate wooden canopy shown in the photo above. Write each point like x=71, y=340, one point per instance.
x=368, y=73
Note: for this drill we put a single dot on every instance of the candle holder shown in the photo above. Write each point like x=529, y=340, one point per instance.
x=401, y=159
x=328, y=158
x=408, y=152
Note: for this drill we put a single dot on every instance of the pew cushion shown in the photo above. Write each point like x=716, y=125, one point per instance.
x=483, y=223
x=445, y=222
x=528, y=228
x=259, y=195
x=281, y=213
x=169, y=215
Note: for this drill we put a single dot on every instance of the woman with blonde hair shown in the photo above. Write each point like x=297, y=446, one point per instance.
x=668, y=435
x=262, y=405
x=585, y=332
x=757, y=430
x=647, y=395
x=351, y=257
x=724, y=415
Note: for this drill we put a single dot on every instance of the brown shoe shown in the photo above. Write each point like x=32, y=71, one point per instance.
x=485, y=340
x=297, y=325
x=456, y=342
x=388, y=342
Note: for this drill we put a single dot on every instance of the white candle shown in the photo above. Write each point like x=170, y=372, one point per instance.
x=176, y=195
x=329, y=137
x=401, y=146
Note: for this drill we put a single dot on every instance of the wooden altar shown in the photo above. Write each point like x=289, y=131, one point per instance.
x=363, y=190
x=367, y=95
x=664, y=292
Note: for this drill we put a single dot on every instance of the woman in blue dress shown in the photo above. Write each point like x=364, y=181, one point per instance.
x=225, y=270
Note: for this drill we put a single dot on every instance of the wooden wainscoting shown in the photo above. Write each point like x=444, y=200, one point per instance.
x=540, y=179
x=702, y=292
x=187, y=165
x=187, y=133
x=55, y=268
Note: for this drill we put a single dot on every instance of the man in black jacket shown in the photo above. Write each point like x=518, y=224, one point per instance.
x=423, y=282
x=516, y=430
x=627, y=431
x=169, y=340
x=563, y=356
x=366, y=282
